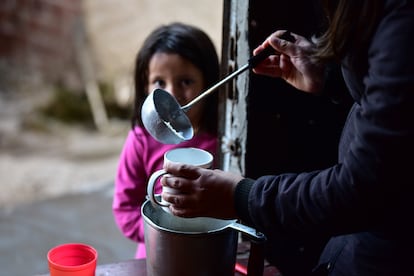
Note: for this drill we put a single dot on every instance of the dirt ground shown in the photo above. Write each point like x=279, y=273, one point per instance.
x=57, y=159
x=57, y=187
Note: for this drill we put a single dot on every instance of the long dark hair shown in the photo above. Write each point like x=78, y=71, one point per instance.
x=350, y=26
x=190, y=43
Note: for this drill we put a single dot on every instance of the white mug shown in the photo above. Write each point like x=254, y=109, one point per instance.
x=192, y=156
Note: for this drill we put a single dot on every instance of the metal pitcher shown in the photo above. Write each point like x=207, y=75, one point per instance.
x=191, y=246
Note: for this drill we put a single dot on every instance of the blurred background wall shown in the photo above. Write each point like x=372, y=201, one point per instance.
x=40, y=38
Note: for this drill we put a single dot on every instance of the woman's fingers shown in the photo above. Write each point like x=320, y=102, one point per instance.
x=269, y=67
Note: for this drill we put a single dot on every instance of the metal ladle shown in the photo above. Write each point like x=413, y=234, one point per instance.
x=165, y=119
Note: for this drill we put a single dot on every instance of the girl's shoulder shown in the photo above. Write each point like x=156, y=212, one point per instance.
x=207, y=141
x=141, y=138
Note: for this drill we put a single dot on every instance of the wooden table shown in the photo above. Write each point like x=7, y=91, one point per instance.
x=138, y=266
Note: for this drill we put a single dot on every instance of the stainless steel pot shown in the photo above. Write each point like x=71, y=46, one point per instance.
x=191, y=246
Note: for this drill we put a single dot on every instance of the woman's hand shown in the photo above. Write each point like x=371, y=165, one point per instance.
x=292, y=62
x=200, y=192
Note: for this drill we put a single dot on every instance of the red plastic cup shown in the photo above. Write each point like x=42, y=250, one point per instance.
x=72, y=259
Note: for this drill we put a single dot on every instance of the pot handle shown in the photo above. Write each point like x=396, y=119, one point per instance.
x=255, y=265
x=255, y=236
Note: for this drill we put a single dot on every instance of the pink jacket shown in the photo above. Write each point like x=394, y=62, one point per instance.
x=140, y=157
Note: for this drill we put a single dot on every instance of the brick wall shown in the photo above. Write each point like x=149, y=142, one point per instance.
x=35, y=37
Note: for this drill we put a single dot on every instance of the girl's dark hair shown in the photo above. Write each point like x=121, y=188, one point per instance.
x=190, y=43
x=350, y=26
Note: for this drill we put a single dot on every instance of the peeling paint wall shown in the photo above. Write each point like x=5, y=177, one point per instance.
x=235, y=54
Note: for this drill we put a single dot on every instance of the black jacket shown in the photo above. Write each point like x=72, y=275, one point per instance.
x=365, y=203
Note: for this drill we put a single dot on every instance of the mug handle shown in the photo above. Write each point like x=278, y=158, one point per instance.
x=150, y=188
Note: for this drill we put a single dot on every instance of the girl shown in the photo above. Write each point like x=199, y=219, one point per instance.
x=182, y=60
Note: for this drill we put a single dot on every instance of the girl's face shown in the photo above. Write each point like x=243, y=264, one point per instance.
x=180, y=78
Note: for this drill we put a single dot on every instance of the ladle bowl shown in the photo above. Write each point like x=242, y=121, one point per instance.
x=164, y=118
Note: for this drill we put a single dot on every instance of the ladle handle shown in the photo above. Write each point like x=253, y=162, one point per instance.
x=214, y=87
x=253, y=62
